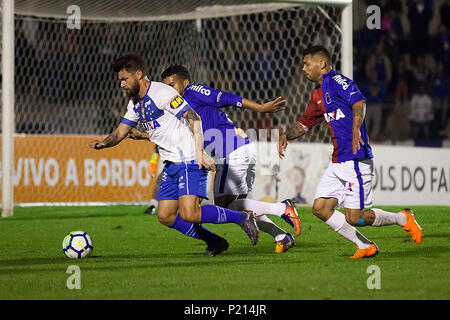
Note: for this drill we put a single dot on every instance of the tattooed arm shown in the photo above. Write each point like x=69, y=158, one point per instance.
x=359, y=111
x=201, y=157
x=138, y=135
x=112, y=139
x=296, y=131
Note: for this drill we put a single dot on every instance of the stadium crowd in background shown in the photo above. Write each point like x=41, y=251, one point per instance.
x=410, y=51
x=406, y=70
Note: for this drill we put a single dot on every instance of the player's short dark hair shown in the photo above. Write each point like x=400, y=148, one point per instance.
x=179, y=70
x=317, y=50
x=131, y=63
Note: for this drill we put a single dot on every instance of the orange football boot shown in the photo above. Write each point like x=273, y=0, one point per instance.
x=371, y=251
x=411, y=226
x=290, y=215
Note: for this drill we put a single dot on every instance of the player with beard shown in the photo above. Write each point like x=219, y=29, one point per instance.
x=176, y=129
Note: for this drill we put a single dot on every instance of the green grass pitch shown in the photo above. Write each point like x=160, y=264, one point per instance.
x=135, y=257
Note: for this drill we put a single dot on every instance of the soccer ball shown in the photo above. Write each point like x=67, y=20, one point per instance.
x=77, y=245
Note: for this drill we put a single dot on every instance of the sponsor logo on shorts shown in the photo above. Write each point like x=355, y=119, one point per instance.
x=350, y=186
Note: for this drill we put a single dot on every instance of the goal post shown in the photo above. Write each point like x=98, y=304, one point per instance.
x=62, y=90
x=7, y=107
x=347, y=40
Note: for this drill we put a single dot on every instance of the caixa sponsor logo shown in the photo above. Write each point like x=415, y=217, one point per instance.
x=200, y=89
x=341, y=81
x=150, y=125
x=334, y=115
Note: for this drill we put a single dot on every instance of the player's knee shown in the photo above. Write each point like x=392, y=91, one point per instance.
x=192, y=215
x=319, y=210
x=316, y=209
x=167, y=221
x=166, y=218
x=323, y=208
x=352, y=218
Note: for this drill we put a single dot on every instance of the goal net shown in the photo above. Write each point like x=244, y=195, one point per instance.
x=67, y=94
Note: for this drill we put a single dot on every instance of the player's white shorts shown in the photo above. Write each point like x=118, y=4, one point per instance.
x=236, y=176
x=350, y=182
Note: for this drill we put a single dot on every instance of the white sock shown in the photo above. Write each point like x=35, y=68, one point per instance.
x=385, y=218
x=266, y=225
x=340, y=225
x=258, y=207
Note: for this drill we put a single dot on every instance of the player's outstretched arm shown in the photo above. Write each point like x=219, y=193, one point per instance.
x=201, y=157
x=137, y=135
x=296, y=131
x=112, y=139
x=359, y=111
x=279, y=104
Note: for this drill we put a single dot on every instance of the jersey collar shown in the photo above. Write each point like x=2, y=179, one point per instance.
x=187, y=87
x=329, y=74
x=146, y=92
